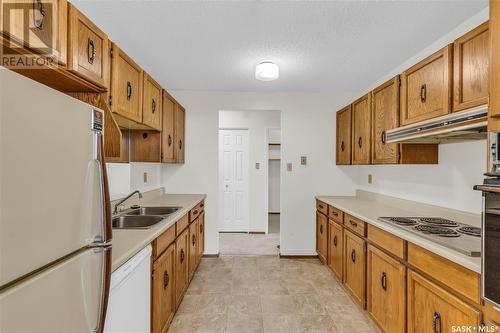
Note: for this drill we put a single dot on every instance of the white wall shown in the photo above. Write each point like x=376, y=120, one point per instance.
x=257, y=123
x=127, y=177
x=307, y=126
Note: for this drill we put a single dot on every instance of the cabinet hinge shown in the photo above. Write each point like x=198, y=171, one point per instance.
x=110, y=100
x=111, y=52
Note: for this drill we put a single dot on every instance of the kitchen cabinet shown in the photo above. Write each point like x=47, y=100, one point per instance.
x=491, y=315
x=343, y=148
x=355, y=225
x=494, y=102
x=386, y=291
x=88, y=49
x=126, y=88
x=181, y=265
x=385, y=116
x=193, y=248
x=426, y=88
x=201, y=236
x=322, y=207
x=361, y=130
x=321, y=236
x=180, y=123
x=355, y=266
x=335, y=214
x=151, y=103
x=167, y=134
x=145, y=146
x=335, y=242
x=48, y=30
x=471, y=54
x=433, y=309
x=163, y=292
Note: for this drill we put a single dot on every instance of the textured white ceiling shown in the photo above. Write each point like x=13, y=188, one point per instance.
x=319, y=45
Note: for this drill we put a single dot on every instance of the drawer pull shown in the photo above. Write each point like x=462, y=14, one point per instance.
x=182, y=255
x=382, y=136
x=353, y=256
x=321, y=206
x=166, y=279
x=435, y=319
x=180, y=144
x=195, y=212
x=423, y=93
x=169, y=141
x=342, y=146
x=335, y=213
x=38, y=19
x=321, y=229
x=354, y=224
x=90, y=51
x=193, y=240
x=383, y=281
x=153, y=106
x=335, y=240
x=202, y=205
x=129, y=90
x=360, y=142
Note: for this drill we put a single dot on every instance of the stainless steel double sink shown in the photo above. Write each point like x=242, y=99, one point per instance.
x=142, y=217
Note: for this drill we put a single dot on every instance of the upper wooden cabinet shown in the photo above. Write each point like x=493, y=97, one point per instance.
x=88, y=48
x=343, y=151
x=151, y=103
x=321, y=236
x=385, y=116
x=167, y=134
x=126, y=87
x=471, y=61
x=494, y=30
x=39, y=26
x=179, y=132
x=426, y=88
x=361, y=130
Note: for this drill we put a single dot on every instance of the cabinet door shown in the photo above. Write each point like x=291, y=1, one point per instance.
x=151, y=103
x=432, y=309
x=201, y=236
x=494, y=28
x=163, y=292
x=181, y=265
x=193, y=247
x=335, y=249
x=385, y=115
x=354, y=266
x=426, y=88
x=361, y=130
x=167, y=134
x=88, y=48
x=126, y=86
x=321, y=236
x=145, y=146
x=471, y=62
x=386, y=291
x=180, y=115
x=343, y=151
x=41, y=26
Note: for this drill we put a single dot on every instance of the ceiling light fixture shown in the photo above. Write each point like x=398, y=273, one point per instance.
x=267, y=71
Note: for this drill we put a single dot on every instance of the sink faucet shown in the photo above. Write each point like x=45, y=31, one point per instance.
x=119, y=203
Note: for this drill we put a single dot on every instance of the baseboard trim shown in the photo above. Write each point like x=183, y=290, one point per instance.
x=211, y=255
x=284, y=256
x=274, y=213
x=256, y=232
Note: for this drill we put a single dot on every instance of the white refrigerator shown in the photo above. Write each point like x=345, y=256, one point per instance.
x=55, y=219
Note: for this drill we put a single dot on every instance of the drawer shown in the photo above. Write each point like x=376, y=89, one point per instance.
x=181, y=224
x=355, y=224
x=462, y=280
x=491, y=314
x=161, y=243
x=322, y=207
x=386, y=241
x=335, y=214
x=195, y=212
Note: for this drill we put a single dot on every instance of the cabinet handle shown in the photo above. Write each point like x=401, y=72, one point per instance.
x=342, y=146
x=195, y=212
x=435, y=319
x=353, y=256
x=354, y=224
x=90, y=51
x=153, y=106
x=129, y=90
x=360, y=142
x=169, y=140
x=180, y=144
x=423, y=93
x=335, y=214
x=383, y=137
x=166, y=279
x=202, y=205
x=38, y=21
x=335, y=240
x=193, y=240
x=201, y=228
x=182, y=256
x=321, y=206
x=383, y=281
x=321, y=229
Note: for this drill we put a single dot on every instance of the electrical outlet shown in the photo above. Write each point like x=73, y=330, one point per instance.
x=145, y=177
x=289, y=166
x=370, y=179
x=257, y=165
x=303, y=160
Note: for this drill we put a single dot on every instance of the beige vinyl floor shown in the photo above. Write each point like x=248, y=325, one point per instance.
x=267, y=294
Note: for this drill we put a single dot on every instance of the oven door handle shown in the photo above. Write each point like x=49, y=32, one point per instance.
x=487, y=188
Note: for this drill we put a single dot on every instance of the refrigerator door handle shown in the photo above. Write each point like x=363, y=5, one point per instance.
x=105, y=288
x=106, y=204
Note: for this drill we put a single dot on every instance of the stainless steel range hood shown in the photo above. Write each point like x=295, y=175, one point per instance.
x=454, y=127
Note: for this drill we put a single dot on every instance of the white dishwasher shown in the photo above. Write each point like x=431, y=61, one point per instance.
x=130, y=294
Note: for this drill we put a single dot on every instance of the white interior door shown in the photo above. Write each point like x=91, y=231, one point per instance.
x=233, y=180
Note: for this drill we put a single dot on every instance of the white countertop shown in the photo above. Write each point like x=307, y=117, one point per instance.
x=128, y=242
x=368, y=206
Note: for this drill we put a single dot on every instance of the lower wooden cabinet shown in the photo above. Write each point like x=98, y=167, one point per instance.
x=355, y=266
x=193, y=248
x=321, y=236
x=386, y=294
x=433, y=309
x=162, y=290
x=335, y=242
x=201, y=235
x=181, y=265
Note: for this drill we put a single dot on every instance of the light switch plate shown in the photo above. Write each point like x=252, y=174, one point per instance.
x=289, y=166
x=303, y=160
x=370, y=179
x=257, y=165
